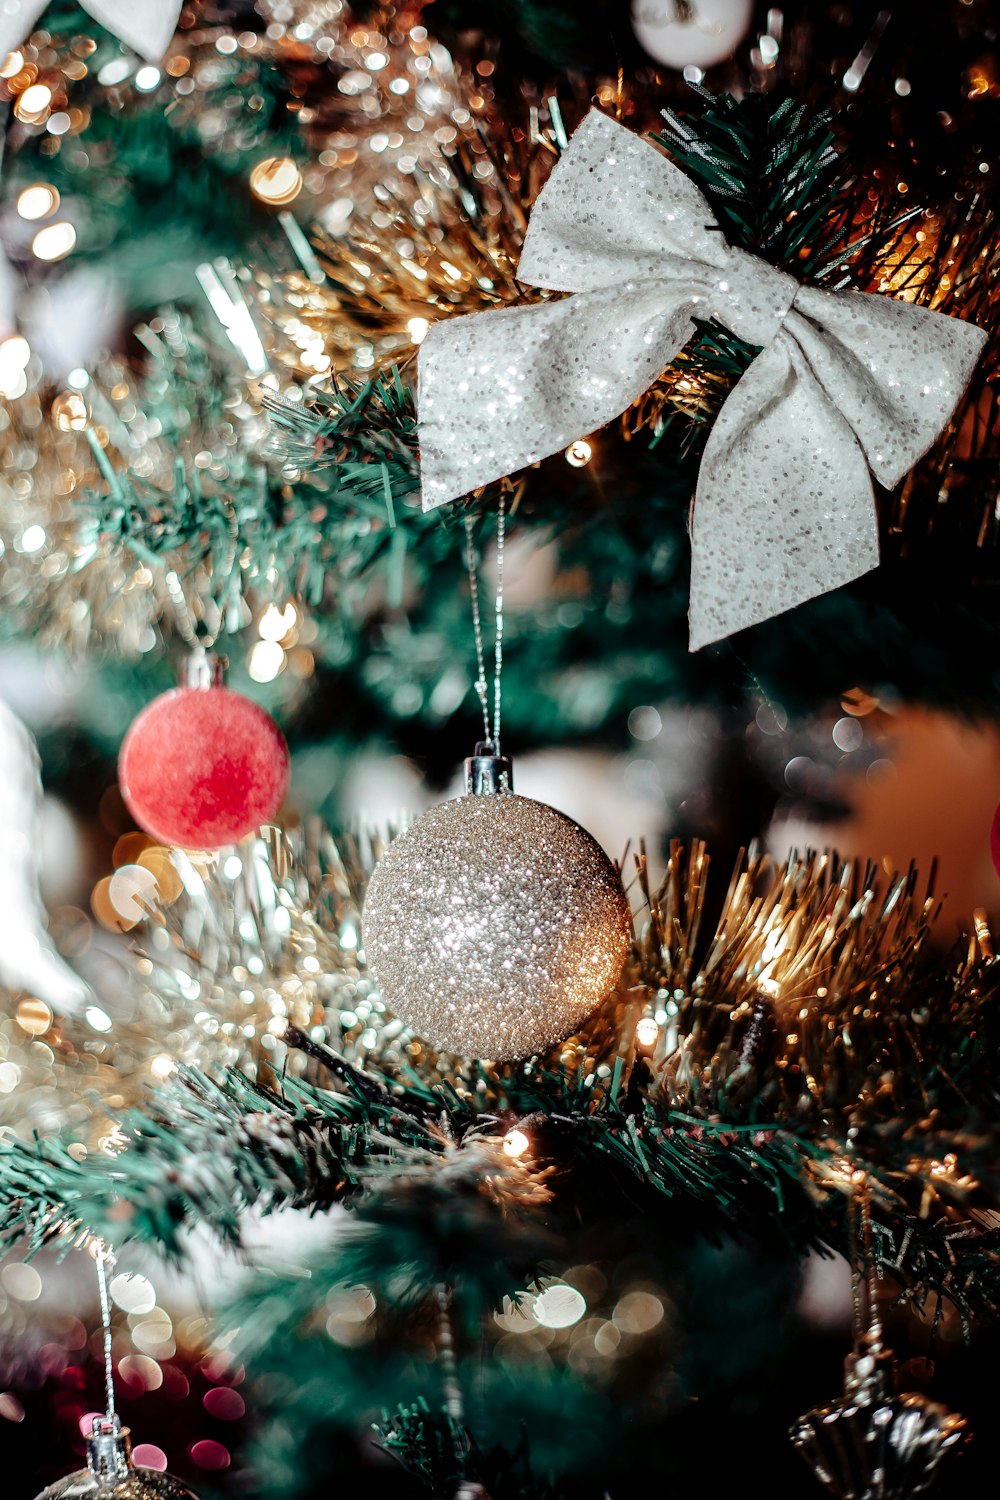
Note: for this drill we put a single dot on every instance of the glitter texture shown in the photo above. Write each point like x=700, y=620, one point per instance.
x=494, y=926
x=137, y=1484
x=848, y=385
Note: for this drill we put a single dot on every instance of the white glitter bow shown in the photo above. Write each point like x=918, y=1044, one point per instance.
x=144, y=25
x=846, y=384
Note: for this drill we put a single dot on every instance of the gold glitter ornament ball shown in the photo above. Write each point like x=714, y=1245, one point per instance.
x=136, y=1484
x=494, y=926
x=111, y=1474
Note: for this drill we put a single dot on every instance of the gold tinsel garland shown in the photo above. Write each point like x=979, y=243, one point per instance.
x=369, y=101
x=786, y=1011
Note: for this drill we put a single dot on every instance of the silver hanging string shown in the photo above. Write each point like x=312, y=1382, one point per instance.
x=102, y=1282
x=452, y=1390
x=477, y=626
x=491, y=734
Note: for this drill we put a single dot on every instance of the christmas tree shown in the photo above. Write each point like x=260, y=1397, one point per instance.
x=603, y=396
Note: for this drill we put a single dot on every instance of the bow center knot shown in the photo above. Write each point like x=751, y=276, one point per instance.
x=751, y=298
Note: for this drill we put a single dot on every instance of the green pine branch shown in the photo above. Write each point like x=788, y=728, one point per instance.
x=444, y=1455
x=768, y=166
x=419, y=1192
x=324, y=502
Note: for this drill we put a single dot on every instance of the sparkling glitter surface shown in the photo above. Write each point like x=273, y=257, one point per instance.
x=138, y=1484
x=494, y=926
x=848, y=385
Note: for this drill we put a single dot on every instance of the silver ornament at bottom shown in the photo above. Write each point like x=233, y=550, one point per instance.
x=494, y=925
x=874, y=1444
x=111, y=1475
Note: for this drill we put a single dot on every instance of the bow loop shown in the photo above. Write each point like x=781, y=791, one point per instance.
x=847, y=384
x=622, y=211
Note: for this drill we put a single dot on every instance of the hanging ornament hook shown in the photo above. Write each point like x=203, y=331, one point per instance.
x=873, y=1440
x=869, y=1365
x=107, y=1443
x=101, y=1258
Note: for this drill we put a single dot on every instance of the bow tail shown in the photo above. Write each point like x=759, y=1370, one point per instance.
x=498, y=391
x=784, y=508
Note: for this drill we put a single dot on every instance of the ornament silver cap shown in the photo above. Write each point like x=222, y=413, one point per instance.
x=109, y=1452
x=202, y=669
x=487, y=772
x=870, y=1375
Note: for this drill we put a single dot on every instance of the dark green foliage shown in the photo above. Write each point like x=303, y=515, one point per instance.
x=770, y=169
x=427, y=1444
x=429, y=1193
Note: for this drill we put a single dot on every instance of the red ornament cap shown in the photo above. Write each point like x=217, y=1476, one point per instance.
x=202, y=767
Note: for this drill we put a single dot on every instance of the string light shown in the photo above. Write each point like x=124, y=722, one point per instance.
x=516, y=1143
x=69, y=412
x=579, y=454
x=647, y=1032
x=37, y=201
x=276, y=180
x=54, y=242
x=14, y=356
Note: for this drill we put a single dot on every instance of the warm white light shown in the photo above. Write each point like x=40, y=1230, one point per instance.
x=32, y=539
x=265, y=661
x=34, y=101
x=147, y=78
x=417, y=328
x=133, y=1293
x=132, y=891
x=559, y=1306
x=515, y=1143
x=275, y=623
x=646, y=1032
x=579, y=453
x=37, y=201
x=54, y=241
x=115, y=71
x=14, y=357
x=276, y=180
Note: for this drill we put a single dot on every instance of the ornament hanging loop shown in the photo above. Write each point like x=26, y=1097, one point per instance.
x=109, y=1453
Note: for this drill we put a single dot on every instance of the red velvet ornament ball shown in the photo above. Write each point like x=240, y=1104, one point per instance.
x=202, y=767
x=995, y=841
